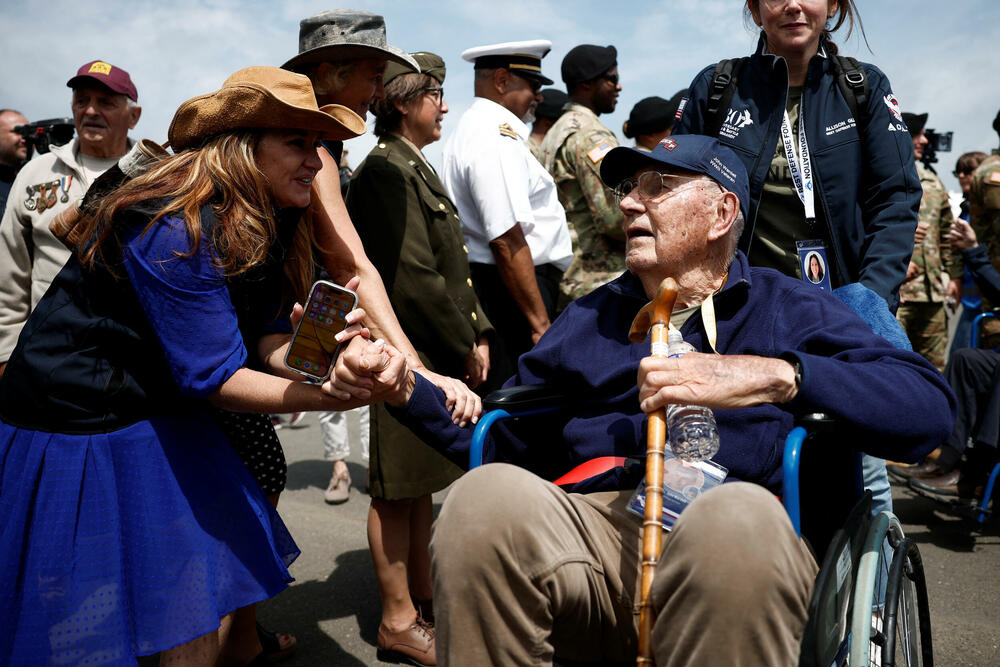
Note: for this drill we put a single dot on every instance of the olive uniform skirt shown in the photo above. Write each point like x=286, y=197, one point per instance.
x=401, y=465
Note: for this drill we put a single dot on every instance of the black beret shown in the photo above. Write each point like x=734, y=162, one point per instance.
x=551, y=106
x=651, y=115
x=587, y=62
x=914, y=122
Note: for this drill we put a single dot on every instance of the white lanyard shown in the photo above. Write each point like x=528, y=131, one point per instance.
x=707, y=319
x=802, y=177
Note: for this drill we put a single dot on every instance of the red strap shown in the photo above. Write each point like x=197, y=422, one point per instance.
x=591, y=468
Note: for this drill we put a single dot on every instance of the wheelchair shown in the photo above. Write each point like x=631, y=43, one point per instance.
x=983, y=509
x=869, y=604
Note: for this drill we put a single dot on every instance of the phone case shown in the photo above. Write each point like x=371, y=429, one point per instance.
x=313, y=348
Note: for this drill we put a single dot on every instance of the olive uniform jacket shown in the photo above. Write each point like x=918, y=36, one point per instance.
x=411, y=232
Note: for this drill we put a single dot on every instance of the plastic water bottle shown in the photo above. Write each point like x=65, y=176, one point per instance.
x=693, y=435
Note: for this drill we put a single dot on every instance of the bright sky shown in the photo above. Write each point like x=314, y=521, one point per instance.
x=938, y=56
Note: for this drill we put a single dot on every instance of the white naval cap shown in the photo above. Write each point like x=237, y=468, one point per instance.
x=523, y=58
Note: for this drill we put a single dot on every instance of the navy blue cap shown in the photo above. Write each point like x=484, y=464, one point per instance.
x=692, y=152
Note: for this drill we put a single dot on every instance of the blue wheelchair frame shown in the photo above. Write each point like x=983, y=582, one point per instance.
x=848, y=612
x=790, y=460
x=992, y=479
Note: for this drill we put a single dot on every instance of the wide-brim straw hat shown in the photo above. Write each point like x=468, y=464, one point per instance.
x=344, y=34
x=260, y=98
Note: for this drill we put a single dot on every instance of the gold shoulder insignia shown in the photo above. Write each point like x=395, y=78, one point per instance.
x=507, y=131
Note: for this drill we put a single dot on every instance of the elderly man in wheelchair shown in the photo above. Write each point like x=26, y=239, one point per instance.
x=524, y=569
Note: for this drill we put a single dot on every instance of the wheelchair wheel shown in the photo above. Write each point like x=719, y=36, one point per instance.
x=906, y=618
x=890, y=621
x=869, y=590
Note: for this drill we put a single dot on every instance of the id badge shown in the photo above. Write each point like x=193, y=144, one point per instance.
x=682, y=483
x=813, y=263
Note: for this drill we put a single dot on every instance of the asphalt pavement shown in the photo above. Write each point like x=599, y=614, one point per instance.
x=333, y=605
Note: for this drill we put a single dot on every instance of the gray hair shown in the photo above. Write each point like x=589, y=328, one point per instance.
x=335, y=79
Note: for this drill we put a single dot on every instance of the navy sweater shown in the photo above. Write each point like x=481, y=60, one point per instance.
x=890, y=402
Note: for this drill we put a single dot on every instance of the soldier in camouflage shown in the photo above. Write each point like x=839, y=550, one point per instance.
x=572, y=152
x=547, y=113
x=922, y=295
x=984, y=216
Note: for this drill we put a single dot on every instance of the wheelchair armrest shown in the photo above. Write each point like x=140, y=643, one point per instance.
x=523, y=397
x=791, y=460
x=516, y=401
x=974, y=342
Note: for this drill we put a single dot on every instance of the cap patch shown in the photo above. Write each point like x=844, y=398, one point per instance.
x=100, y=68
x=597, y=153
x=993, y=177
x=669, y=144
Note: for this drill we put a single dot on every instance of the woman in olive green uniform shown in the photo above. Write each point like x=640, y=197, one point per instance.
x=411, y=232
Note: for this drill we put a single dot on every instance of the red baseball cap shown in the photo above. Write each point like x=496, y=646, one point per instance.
x=112, y=77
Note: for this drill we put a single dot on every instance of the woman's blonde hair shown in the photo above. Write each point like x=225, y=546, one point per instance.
x=223, y=173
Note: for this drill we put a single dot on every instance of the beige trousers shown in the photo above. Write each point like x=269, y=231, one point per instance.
x=523, y=571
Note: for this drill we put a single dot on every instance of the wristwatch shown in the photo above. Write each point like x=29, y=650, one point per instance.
x=797, y=365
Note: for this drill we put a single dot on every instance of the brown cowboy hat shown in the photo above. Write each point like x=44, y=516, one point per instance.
x=260, y=97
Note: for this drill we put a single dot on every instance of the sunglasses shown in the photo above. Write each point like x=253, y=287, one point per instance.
x=610, y=78
x=962, y=172
x=534, y=84
x=436, y=93
x=653, y=184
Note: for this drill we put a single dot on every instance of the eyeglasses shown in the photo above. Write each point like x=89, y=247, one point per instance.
x=653, y=184
x=436, y=93
x=610, y=78
x=962, y=172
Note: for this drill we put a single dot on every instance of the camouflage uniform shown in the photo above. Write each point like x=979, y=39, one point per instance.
x=984, y=216
x=572, y=152
x=535, y=146
x=921, y=311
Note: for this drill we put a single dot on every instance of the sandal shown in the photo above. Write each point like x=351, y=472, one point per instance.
x=277, y=646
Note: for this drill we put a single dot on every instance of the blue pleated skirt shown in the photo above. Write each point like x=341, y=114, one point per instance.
x=128, y=543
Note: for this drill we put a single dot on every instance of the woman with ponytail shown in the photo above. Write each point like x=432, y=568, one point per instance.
x=827, y=173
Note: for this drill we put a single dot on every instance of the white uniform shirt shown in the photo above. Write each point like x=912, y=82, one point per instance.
x=496, y=183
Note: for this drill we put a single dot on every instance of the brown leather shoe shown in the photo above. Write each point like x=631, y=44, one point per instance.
x=414, y=645
x=945, y=484
x=913, y=471
x=425, y=610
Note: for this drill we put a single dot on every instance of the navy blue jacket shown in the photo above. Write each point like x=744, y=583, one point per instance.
x=983, y=273
x=892, y=403
x=867, y=185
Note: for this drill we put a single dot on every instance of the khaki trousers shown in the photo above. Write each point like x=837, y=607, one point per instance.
x=523, y=571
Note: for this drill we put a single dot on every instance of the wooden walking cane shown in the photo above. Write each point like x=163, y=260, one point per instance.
x=655, y=318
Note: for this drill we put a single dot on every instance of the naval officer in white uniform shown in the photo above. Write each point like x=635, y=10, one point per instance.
x=514, y=225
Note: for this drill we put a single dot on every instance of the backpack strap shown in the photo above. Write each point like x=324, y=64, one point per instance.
x=853, y=86
x=720, y=93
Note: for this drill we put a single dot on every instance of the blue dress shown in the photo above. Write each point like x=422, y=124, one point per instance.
x=129, y=541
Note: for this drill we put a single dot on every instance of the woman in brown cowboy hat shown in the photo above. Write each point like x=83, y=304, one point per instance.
x=130, y=526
